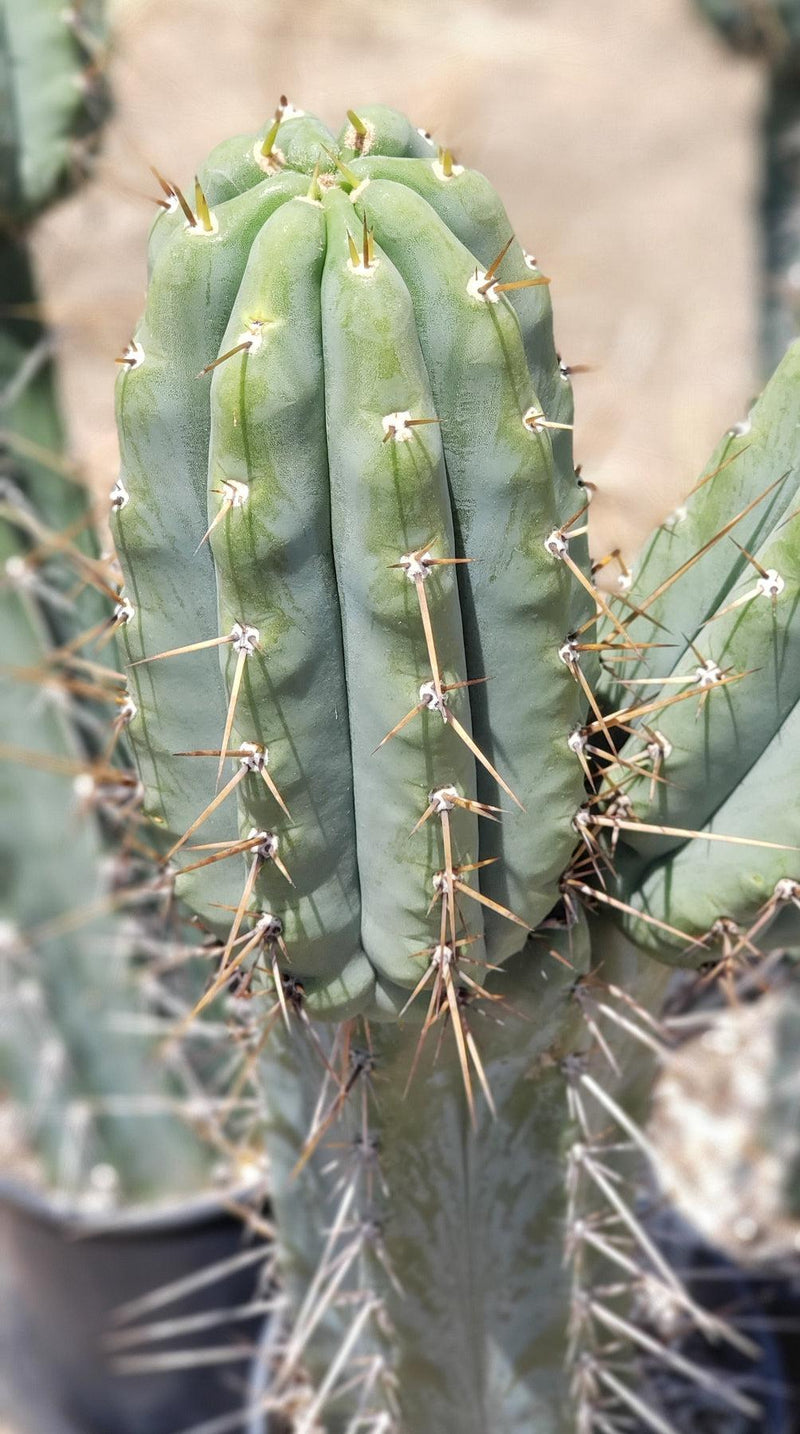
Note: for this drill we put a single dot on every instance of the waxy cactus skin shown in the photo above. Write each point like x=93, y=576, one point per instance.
x=382, y=769
x=368, y=407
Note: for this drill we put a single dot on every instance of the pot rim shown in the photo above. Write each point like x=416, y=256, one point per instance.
x=157, y=1217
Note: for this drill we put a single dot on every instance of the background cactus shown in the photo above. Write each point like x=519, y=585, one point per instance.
x=54, y=99
x=771, y=30
x=94, y=1113
x=93, y=1108
x=346, y=500
x=77, y=1035
x=721, y=574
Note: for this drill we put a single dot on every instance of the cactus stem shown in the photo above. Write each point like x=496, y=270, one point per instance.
x=790, y=519
x=704, y=548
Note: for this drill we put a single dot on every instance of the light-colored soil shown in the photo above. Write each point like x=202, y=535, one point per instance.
x=620, y=135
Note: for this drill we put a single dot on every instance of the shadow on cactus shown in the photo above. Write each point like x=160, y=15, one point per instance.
x=361, y=630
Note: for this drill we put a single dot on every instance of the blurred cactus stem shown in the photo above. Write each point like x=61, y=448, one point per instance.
x=770, y=29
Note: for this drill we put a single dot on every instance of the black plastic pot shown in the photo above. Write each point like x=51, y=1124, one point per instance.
x=71, y=1369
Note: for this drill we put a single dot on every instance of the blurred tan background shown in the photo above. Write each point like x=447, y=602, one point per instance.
x=620, y=135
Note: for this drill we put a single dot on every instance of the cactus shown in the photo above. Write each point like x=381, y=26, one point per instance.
x=96, y=1114
x=87, y=1093
x=53, y=100
x=732, y=625
x=417, y=623
x=362, y=654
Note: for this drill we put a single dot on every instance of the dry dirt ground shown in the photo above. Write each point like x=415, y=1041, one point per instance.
x=620, y=135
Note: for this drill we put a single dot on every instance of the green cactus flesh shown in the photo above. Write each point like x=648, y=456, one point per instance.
x=81, y=1088
x=726, y=757
x=85, y=1095
x=52, y=100
x=370, y=405
x=39, y=493
x=375, y=772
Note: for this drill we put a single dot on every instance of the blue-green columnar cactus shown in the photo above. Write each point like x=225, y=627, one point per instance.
x=723, y=575
x=40, y=493
x=53, y=99
x=362, y=654
x=95, y=1117
x=318, y=512
x=95, y=1112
